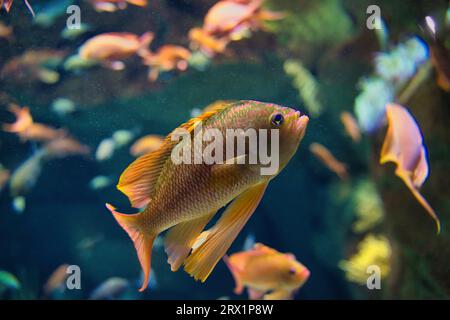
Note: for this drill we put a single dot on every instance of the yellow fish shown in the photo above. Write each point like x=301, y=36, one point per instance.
x=185, y=197
x=404, y=146
x=263, y=269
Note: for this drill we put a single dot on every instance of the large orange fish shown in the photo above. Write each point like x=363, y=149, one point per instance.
x=404, y=146
x=267, y=273
x=185, y=197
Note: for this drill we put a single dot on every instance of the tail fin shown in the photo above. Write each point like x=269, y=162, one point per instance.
x=145, y=41
x=142, y=239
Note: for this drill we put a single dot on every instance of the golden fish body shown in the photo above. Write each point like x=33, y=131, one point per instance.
x=263, y=269
x=186, y=196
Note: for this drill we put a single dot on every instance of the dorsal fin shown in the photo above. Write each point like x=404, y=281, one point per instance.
x=139, y=179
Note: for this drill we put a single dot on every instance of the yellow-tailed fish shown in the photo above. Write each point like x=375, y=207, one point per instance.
x=404, y=146
x=185, y=197
x=267, y=273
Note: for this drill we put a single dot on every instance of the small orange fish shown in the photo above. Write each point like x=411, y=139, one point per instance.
x=351, y=126
x=146, y=144
x=6, y=32
x=236, y=18
x=23, y=119
x=167, y=58
x=65, y=146
x=267, y=273
x=327, y=158
x=113, y=5
x=41, y=133
x=110, y=49
x=185, y=197
x=225, y=16
x=208, y=44
x=404, y=146
x=57, y=280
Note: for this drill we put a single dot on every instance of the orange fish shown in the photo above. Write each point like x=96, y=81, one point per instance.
x=327, y=158
x=208, y=44
x=235, y=18
x=267, y=273
x=404, y=146
x=6, y=32
x=146, y=144
x=65, y=146
x=41, y=133
x=185, y=197
x=8, y=3
x=110, y=49
x=113, y=5
x=351, y=126
x=57, y=280
x=23, y=119
x=167, y=58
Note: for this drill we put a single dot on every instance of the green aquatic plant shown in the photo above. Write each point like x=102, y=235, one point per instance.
x=373, y=250
x=368, y=207
x=306, y=85
x=311, y=23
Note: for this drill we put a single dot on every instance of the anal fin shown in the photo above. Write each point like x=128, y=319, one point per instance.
x=180, y=239
x=220, y=237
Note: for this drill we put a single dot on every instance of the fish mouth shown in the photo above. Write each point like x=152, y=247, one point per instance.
x=299, y=122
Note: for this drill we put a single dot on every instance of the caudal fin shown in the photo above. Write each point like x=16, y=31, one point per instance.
x=142, y=239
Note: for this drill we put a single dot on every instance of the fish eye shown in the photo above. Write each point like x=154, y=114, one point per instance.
x=292, y=271
x=277, y=119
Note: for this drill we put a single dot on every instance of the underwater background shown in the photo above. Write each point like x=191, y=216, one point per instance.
x=320, y=58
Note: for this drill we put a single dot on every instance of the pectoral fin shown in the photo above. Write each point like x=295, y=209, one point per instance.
x=220, y=237
x=180, y=239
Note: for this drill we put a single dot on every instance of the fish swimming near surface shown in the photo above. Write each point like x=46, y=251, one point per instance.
x=185, y=197
x=403, y=145
x=327, y=158
x=267, y=273
x=237, y=18
x=110, y=49
x=114, y=5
